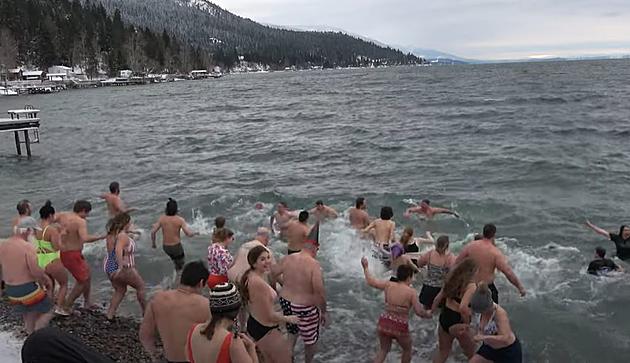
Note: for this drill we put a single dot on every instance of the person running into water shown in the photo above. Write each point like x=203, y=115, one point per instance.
x=296, y=233
x=489, y=259
x=259, y=297
x=359, y=218
x=602, y=265
x=400, y=298
x=410, y=244
x=48, y=244
x=172, y=312
x=322, y=212
x=621, y=240
x=455, y=316
x=500, y=344
x=279, y=221
x=235, y=273
x=215, y=341
x=172, y=226
x=303, y=293
x=383, y=233
x=425, y=209
x=76, y=235
x=438, y=262
x=399, y=258
x=24, y=209
x=24, y=280
x=119, y=265
x=115, y=204
x=219, y=258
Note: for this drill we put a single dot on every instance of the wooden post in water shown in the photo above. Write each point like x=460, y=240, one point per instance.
x=17, y=143
x=27, y=141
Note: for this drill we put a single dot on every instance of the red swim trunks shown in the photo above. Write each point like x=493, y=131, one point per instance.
x=75, y=263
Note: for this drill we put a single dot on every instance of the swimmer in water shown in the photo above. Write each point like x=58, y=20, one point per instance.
x=621, y=240
x=322, y=211
x=602, y=265
x=425, y=209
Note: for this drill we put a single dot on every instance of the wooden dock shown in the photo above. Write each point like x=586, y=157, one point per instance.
x=24, y=121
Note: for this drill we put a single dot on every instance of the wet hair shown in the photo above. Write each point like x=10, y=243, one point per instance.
x=82, y=206
x=406, y=236
x=489, y=231
x=441, y=245
x=601, y=252
x=303, y=217
x=404, y=272
x=319, y=202
x=114, y=187
x=23, y=207
x=359, y=202
x=252, y=257
x=171, y=207
x=117, y=224
x=426, y=201
x=221, y=234
x=219, y=222
x=458, y=278
x=387, y=213
x=621, y=230
x=193, y=273
x=47, y=210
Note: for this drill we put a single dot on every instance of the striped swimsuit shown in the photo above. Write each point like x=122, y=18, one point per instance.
x=110, y=265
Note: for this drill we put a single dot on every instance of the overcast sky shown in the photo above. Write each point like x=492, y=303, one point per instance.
x=481, y=29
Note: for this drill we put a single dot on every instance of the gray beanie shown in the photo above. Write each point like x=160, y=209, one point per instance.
x=481, y=300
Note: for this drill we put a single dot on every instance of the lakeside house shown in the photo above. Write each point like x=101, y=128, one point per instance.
x=198, y=74
x=33, y=75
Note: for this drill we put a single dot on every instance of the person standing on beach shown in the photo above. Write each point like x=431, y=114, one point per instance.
x=296, y=233
x=172, y=312
x=359, y=218
x=24, y=209
x=24, y=280
x=621, y=240
x=303, y=293
x=115, y=204
x=322, y=212
x=76, y=235
x=219, y=258
x=427, y=211
x=489, y=259
x=172, y=225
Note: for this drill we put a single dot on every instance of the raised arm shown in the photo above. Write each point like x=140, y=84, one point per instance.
x=503, y=266
x=154, y=230
x=147, y=333
x=411, y=210
x=428, y=239
x=371, y=281
x=597, y=230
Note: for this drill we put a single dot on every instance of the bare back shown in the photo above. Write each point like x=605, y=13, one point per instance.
x=115, y=205
x=359, y=218
x=384, y=231
x=17, y=258
x=298, y=271
x=71, y=225
x=171, y=229
x=296, y=235
x=399, y=298
x=486, y=255
x=175, y=312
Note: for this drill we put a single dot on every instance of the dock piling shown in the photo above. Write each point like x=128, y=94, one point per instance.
x=17, y=143
x=27, y=141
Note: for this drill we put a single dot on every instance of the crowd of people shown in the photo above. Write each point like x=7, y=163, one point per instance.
x=259, y=305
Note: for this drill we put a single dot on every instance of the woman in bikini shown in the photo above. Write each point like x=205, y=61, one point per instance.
x=119, y=264
x=438, y=261
x=455, y=315
x=263, y=321
x=215, y=341
x=48, y=244
x=393, y=324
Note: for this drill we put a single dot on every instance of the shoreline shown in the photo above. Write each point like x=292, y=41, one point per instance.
x=117, y=339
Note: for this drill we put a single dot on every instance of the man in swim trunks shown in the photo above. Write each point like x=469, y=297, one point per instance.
x=173, y=312
x=74, y=235
x=240, y=265
x=303, y=293
x=489, y=259
x=601, y=264
x=281, y=219
x=322, y=212
x=359, y=218
x=115, y=204
x=426, y=210
x=172, y=225
x=296, y=232
x=24, y=279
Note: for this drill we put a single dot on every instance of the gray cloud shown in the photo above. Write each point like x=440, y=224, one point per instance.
x=485, y=29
